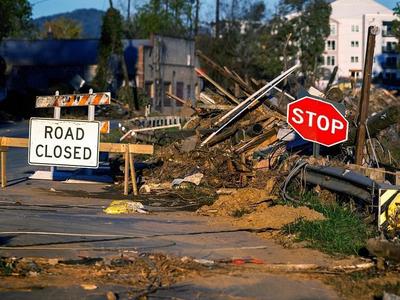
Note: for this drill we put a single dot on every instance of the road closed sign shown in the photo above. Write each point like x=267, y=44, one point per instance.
x=318, y=121
x=66, y=143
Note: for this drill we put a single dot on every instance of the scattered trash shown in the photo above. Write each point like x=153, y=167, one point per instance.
x=195, y=179
x=125, y=207
x=88, y=287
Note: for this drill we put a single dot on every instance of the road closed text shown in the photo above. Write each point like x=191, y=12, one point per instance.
x=63, y=143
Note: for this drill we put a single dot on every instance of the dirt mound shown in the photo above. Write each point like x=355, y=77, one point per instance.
x=241, y=202
x=277, y=216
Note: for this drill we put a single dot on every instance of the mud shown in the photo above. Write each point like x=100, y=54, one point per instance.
x=276, y=217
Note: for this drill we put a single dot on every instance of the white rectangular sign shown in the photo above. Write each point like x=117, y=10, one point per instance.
x=67, y=143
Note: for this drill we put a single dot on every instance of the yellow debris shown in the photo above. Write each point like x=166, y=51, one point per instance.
x=118, y=207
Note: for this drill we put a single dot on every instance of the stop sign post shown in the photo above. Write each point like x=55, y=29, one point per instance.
x=317, y=121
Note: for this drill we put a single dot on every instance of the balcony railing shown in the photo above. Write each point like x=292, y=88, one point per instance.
x=387, y=33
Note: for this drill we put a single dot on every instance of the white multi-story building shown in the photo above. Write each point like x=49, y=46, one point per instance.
x=347, y=42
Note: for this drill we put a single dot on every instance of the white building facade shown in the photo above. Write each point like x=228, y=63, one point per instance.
x=347, y=43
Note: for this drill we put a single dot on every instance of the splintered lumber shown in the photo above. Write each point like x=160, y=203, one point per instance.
x=229, y=117
x=223, y=136
x=270, y=136
x=225, y=72
x=215, y=106
x=220, y=88
x=176, y=98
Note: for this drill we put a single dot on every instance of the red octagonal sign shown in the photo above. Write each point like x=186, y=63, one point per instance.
x=317, y=121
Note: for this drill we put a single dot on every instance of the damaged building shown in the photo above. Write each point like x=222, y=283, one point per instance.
x=158, y=64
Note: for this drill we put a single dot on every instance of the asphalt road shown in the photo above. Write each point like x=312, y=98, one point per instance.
x=17, y=158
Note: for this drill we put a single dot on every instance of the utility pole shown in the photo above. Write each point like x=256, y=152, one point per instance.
x=129, y=10
x=196, y=18
x=365, y=91
x=217, y=19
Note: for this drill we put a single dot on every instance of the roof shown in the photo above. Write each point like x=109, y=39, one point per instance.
x=60, y=52
x=356, y=8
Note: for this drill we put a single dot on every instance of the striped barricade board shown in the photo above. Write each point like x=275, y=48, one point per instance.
x=389, y=208
x=73, y=100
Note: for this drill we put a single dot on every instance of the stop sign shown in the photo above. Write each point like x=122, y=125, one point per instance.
x=317, y=121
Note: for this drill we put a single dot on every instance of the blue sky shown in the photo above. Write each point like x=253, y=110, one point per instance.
x=49, y=7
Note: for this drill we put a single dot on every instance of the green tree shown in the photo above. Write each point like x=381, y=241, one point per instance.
x=396, y=24
x=111, y=58
x=297, y=30
x=165, y=17
x=62, y=28
x=110, y=44
x=15, y=18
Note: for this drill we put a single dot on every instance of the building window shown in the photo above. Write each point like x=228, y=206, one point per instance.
x=355, y=44
x=333, y=29
x=387, y=29
x=389, y=47
x=331, y=45
x=355, y=28
x=330, y=60
x=354, y=59
x=179, y=91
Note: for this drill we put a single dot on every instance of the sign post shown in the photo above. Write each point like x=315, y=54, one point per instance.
x=317, y=121
x=65, y=143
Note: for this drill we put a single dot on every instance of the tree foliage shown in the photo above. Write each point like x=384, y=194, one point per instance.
x=297, y=31
x=62, y=28
x=15, y=18
x=238, y=43
x=110, y=44
x=396, y=24
x=164, y=17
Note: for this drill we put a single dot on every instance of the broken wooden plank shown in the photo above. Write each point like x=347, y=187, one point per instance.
x=269, y=136
x=224, y=72
x=215, y=106
x=220, y=88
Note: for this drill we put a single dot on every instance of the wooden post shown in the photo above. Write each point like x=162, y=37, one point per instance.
x=3, y=157
x=133, y=174
x=364, y=101
x=126, y=174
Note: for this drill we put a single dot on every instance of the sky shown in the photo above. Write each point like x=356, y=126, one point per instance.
x=42, y=8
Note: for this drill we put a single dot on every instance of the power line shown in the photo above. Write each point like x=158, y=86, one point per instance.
x=38, y=2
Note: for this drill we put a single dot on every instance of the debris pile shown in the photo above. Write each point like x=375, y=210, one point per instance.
x=237, y=137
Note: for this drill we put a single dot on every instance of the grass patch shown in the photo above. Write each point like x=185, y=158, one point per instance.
x=343, y=231
x=6, y=267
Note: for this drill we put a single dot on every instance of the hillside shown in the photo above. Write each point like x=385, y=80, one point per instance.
x=91, y=20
